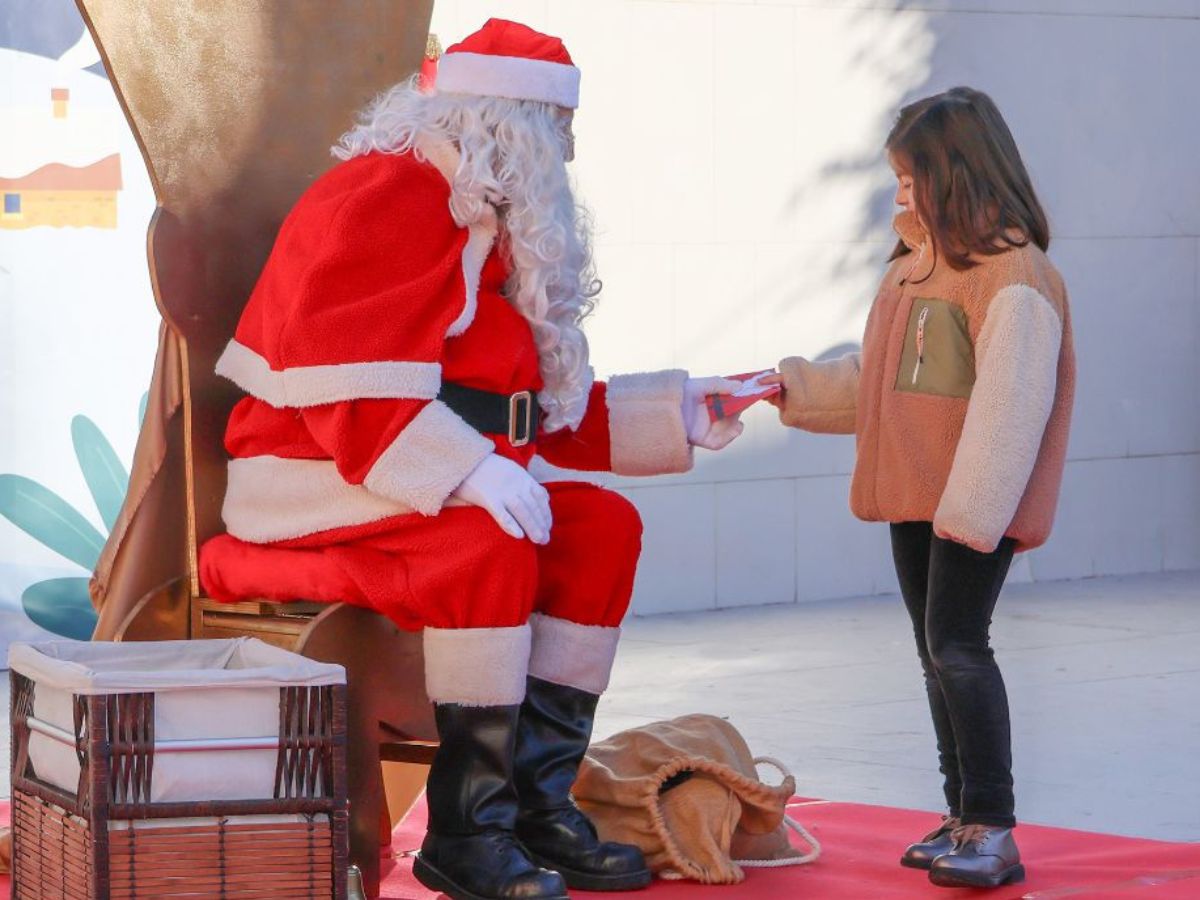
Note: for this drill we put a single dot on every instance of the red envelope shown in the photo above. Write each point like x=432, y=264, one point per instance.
x=722, y=406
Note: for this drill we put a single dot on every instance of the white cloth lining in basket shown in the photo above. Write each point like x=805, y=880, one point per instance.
x=104, y=667
x=216, y=705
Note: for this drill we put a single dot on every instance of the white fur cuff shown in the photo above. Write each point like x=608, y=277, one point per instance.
x=578, y=656
x=645, y=423
x=428, y=459
x=476, y=666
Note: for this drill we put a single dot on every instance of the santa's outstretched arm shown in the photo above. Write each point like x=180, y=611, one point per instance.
x=642, y=424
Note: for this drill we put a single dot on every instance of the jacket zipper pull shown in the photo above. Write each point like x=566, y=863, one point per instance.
x=920, y=342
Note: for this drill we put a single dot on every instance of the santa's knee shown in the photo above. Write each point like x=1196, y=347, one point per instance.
x=617, y=524
x=488, y=581
x=589, y=580
x=477, y=634
x=494, y=543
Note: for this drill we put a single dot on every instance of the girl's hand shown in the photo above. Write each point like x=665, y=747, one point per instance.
x=776, y=400
x=821, y=397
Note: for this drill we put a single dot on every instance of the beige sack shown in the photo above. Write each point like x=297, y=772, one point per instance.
x=688, y=794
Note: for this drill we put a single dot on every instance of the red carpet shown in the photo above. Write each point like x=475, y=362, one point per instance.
x=862, y=844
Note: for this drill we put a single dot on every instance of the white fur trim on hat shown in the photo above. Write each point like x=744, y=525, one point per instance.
x=514, y=77
x=303, y=386
x=578, y=656
x=476, y=666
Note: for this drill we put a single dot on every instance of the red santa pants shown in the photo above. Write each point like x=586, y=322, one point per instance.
x=453, y=570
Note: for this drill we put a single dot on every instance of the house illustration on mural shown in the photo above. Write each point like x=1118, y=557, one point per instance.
x=58, y=166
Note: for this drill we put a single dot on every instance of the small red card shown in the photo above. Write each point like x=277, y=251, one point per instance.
x=722, y=406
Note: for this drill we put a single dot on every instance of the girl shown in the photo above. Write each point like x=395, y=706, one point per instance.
x=961, y=402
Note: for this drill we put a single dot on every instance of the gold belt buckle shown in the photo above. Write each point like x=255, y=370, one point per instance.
x=514, y=405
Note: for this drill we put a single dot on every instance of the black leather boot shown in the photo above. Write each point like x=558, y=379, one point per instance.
x=470, y=851
x=983, y=856
x=552, y=736
x=922, y=854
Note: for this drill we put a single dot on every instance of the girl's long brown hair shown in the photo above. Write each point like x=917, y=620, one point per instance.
x=970, y=187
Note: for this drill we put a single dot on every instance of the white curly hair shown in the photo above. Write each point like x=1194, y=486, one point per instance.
x=513, y=155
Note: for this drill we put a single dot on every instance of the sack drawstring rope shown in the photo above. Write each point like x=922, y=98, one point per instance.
x=814, y=845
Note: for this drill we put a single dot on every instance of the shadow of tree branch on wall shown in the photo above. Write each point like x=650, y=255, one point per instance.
x=863, y=66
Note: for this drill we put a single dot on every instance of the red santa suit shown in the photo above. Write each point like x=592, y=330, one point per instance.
x=344, y=462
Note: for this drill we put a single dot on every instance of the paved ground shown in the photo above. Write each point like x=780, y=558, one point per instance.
x=1103, y=677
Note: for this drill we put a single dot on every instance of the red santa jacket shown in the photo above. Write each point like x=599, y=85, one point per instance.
x=373, y=295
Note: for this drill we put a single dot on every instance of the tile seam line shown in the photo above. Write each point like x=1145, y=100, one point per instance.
x=695, y=483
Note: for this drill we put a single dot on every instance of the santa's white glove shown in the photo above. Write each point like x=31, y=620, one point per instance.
x=516, y=501
x=701, y=430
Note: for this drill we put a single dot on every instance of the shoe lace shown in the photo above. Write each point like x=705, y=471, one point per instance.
x=580, y=819
x=949, y=824
x=965, y=835
x=505, y=841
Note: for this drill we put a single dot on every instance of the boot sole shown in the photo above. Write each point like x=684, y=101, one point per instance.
x=923, y=865
x=942, y=878
x=582, y=881
x=436, y=881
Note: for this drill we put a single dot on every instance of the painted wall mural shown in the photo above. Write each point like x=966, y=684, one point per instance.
x=59, y=166
x=77, y=318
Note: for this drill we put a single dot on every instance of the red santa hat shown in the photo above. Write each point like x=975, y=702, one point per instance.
x=507, y=59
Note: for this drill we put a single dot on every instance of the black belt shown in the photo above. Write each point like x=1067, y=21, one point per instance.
x=516, y=415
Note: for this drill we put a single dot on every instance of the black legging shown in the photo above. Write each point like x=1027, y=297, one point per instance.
x=950, y=591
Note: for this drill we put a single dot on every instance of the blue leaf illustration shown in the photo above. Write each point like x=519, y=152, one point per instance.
x=61, y=605
x=49, y=519
x=142, y=408
x=105, y=476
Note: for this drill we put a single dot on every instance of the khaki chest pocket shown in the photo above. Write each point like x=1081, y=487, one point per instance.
x=938, y=356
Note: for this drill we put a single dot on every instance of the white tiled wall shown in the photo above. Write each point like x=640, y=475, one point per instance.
x=679, y=565
x=756, y=542
x=730, y=151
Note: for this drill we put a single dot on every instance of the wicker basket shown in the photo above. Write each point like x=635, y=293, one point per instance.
x=106, y=778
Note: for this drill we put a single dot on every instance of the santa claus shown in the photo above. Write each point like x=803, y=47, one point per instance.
x=413, y=341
